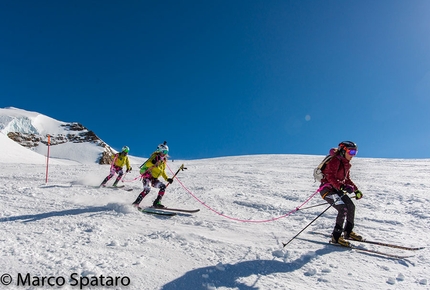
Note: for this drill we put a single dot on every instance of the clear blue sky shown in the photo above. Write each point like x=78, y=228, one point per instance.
x=225, y=77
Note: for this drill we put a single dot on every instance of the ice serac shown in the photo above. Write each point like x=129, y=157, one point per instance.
x=30, y=130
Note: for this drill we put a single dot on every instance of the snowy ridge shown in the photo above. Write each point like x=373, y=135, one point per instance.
x=18, y=120
x=70, y=142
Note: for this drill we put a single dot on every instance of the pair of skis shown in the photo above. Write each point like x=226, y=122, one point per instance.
x=356, y=247
x=166, y=211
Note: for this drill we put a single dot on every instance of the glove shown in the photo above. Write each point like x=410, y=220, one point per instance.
x=170, y=180
x=128, y=170
x=340, y=192
x=358, y=194
x=348, y=188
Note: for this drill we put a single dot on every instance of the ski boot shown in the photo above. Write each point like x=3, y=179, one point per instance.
x=352, y=236
x=341, y=241
x=139, y=199
x=115, y=184
x=157, y=203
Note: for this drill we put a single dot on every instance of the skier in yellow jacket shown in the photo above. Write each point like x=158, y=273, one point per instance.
x=150, y=171
x=120, y=159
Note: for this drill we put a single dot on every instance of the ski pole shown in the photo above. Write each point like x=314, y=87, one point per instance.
x=337, y=199
x=308, y=225
x=180, y=168
x=320, y=204
x=122, y=178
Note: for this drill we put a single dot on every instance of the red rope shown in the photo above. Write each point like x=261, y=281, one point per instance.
x=131, y=180
x=242, y=220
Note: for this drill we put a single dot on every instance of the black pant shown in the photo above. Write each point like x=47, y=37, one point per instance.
x=345, y=211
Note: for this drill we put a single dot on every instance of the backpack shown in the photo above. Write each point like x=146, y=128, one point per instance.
x=318, y=171
x=143, y=167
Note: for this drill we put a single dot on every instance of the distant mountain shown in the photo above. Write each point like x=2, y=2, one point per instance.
x=71, y=141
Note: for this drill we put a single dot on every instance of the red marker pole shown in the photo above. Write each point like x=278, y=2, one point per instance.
x=47, y=158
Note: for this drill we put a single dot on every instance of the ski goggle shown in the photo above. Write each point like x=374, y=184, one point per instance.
x=351, y=152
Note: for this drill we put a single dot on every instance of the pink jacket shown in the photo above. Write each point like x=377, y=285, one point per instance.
x=336, y=171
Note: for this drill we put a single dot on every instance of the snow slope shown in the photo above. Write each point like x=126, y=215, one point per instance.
x=28, y=122
x=14, y=119
x=76, y=233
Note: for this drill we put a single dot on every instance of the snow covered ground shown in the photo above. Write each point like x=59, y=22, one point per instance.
x=75, y=234
x=69, y=234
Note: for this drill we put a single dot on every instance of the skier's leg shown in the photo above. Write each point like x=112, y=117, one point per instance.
x=120, y=174
x=145, y=191
x=107, y=178
x=334, y=199
x=111, y=174
x=162, y=188
x=350, y=216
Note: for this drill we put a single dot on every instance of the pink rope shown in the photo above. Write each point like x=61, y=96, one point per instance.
x=140, y=175
x=242, y=220
x=113, y=162
x=131, y=180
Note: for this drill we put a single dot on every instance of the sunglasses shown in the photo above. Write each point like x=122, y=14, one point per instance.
x=352, y=152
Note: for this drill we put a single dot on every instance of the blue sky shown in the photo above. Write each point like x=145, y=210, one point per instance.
x=222, y=78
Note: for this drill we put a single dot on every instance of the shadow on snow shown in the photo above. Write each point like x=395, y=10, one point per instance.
x=40, y=216
x=229, y=274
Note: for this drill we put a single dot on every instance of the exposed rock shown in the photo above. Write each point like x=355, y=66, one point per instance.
x=74, y=127
x=106, y=157
x=80, y=135
x=26, y=140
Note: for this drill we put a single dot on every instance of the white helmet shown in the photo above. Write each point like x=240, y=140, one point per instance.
x=163, y=148
x=125, y=149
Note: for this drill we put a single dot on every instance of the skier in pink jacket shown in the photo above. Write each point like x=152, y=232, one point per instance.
x=335, y=187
